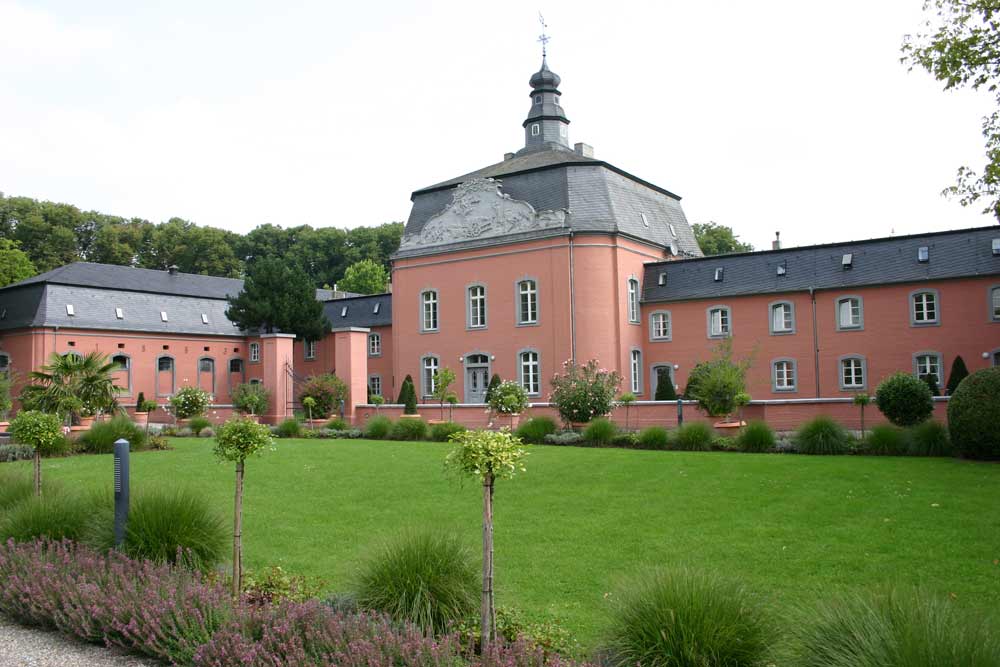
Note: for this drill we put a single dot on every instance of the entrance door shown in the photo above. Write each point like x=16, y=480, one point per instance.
x=477, y=378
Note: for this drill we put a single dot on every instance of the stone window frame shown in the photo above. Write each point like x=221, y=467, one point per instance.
x=654, y=378
x=465, y=371
x=520, y=369
x=375, y=337
x=993, y=292
x=517, y=302
x=306, y=345
x=936, y=322
x=635, y=371
x=253, y=353
x=729, y=321
x=375, y=376
x=230, y=372
x=536, y=129
x=468, y=307
x=929, y=353
x=198, y=372
x=427, y=383
x=653, y=338
x=861, y=312
x=774, y=375
x=864, y=372
x=437, y=310
x=633, y=309
x=128, y=371
x=173, y=376
x=770, y=318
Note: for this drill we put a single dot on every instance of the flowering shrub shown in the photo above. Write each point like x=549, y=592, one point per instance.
x=584, y=392
x=509, y=398
x=190, y=402
x=327, y=390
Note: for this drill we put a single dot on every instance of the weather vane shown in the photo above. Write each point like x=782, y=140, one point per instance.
x=543, y=38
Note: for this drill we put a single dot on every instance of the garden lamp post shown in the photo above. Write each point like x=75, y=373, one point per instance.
x=121, y=490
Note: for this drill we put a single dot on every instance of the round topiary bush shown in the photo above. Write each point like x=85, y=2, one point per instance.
x=972, y=415
x=600, y=432
x=654, y=437
x=534, y=430
x=822, y=435
x=904, y=399
x=678, y=618
x=756, y=437
x=426, y=578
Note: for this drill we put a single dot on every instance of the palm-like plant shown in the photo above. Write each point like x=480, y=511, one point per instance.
x=73, y=384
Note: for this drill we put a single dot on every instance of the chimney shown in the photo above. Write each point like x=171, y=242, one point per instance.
x=507, y=156
x=172, y=269
x=776, y=243
x=586, y=150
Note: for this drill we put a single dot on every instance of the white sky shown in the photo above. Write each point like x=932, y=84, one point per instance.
x=792, y=116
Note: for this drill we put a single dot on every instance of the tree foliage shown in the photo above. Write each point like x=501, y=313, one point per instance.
x=15, y=265
x=72, y=384
x=365, y=277
x=904, y=399
x=959, y=372
x=716, y=239
x=959, y=46
x=278, y=297
x=717, y=384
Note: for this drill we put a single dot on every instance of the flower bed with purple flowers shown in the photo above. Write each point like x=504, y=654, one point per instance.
x=184, y=618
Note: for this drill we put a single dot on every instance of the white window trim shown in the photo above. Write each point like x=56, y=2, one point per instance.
x=652, y=326
x=375, y=376
x=994, y=314
x=635, y=371
x=437, y=311
x=632, y=300
x=469, y=324
x=536, y=129
x=770, y=318
x=774, y=376
x=517, y=302
x=377, y=339
x=940, y=365
x=253, y=355
x=309, y=350
x=729, y=321
x=913, y=308
x=861, y=312
x=840, y=372
x=427, y=383
x=520, y=370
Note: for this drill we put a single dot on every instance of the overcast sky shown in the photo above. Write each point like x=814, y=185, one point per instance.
x=792, y=116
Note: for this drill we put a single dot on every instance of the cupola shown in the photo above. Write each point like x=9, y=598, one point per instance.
x=546, y=125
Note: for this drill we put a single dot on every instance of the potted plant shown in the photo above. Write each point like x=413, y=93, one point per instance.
x=509, y=399
x=189, y=402
x=582, y=393
x=148, y=407
x=141, y=413
x=251, y=400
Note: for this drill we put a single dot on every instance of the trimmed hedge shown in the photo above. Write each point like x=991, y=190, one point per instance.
x=972, y=415
x=904, y=399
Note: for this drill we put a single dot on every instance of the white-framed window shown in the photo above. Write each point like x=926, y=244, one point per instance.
x=163, y=316
x=527, y=295
x=204, y=318
x=635, y=368
x=536, y=129
x=783, y=375
x=477, y=306
x=374, y=345
x=254, y=352
x=119, y=314
x=924, y=307
x=995, y=304
x=429, y=310
x=719, y=322
x=429, y=369
x=633, y=300
x=375, y=385
x=69, y=310
x=850, y=313
x=927, y=363
x=852, y=373
x=123, y=373
x=782, y=318
x=530, y=372
x=309, y=349
x=659, y=325
x=563, y=130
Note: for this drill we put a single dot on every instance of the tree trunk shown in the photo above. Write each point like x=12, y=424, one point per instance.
x=487, y=610
x=38, y=473
x=862, y=422
x=238, y=533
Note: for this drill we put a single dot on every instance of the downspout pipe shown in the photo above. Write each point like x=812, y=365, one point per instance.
x=572, y=298
x=812, y=298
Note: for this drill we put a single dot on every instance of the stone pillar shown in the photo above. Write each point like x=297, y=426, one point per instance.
x=277, y=362
x=350, y=359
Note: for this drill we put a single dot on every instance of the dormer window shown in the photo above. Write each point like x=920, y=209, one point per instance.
x=69, y=310
x=204, y=318
x=996, y=247
x=645, y=220
x=782, y=269
x=376, y=307
x=119, y=314
x=847, y=260
x=343, y=311
x=163, y=316
x=719, y=274
x=662, y=279
x=923, y=253
x=673, y=232
x=536, y=129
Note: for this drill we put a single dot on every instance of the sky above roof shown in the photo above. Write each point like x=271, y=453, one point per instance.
x=785, y=116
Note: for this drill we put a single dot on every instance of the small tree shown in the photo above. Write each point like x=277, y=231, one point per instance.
x=509, y=398
x=190, y=402
x=237, y=440
x=309, y=403
x=627, y=399
x=377, y=401
x=443, y=379
x=861, y=400
x=716, y=383
x=904, y=400
x=39, y=430
x=250, y=399
x=664, y=386
x=408, y=396
x=452, y=400
x=487, y=456
x=582, y=393
x=741, y=400
x=958, y=373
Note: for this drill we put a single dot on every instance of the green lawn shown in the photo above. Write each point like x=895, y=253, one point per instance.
x=793, y=527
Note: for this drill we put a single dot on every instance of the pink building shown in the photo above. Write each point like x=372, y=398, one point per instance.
x=548, y=255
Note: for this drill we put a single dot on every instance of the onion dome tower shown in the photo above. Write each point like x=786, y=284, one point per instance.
x=546, y=126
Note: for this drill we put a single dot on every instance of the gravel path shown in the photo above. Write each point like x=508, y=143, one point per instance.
x=30, y=647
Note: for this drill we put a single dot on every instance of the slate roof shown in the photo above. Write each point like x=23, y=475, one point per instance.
x=109, y=276
x=360, y=311
x=599, y=197
x=952, y=254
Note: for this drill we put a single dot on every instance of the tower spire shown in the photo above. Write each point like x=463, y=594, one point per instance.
x=546, y=127
x=543, y=38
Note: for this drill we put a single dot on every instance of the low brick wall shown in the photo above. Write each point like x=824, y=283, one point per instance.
x=781, y=415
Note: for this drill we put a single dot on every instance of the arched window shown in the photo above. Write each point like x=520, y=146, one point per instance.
x=530, y=372
x=476, y=307
x=123, y=376
x=527, y=304
x=237, y=374
x=206, y=374
x=853, y=374
x=636, y=371
x=429, y=310
x=782, y=318
x=633, y=300
x=783, y=375
x=659, y=325
x=429, y=369
x=374, y=345
x=165, y=376
x=924, y=307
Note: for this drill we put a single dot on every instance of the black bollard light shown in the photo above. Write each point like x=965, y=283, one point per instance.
x=121, y=490
x=680, y=412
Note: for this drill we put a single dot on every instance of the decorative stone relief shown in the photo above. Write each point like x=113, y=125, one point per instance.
x=479, y=210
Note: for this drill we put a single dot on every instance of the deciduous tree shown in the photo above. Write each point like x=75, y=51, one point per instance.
x=15, y=265
x=365, y=277
x=716, y=239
